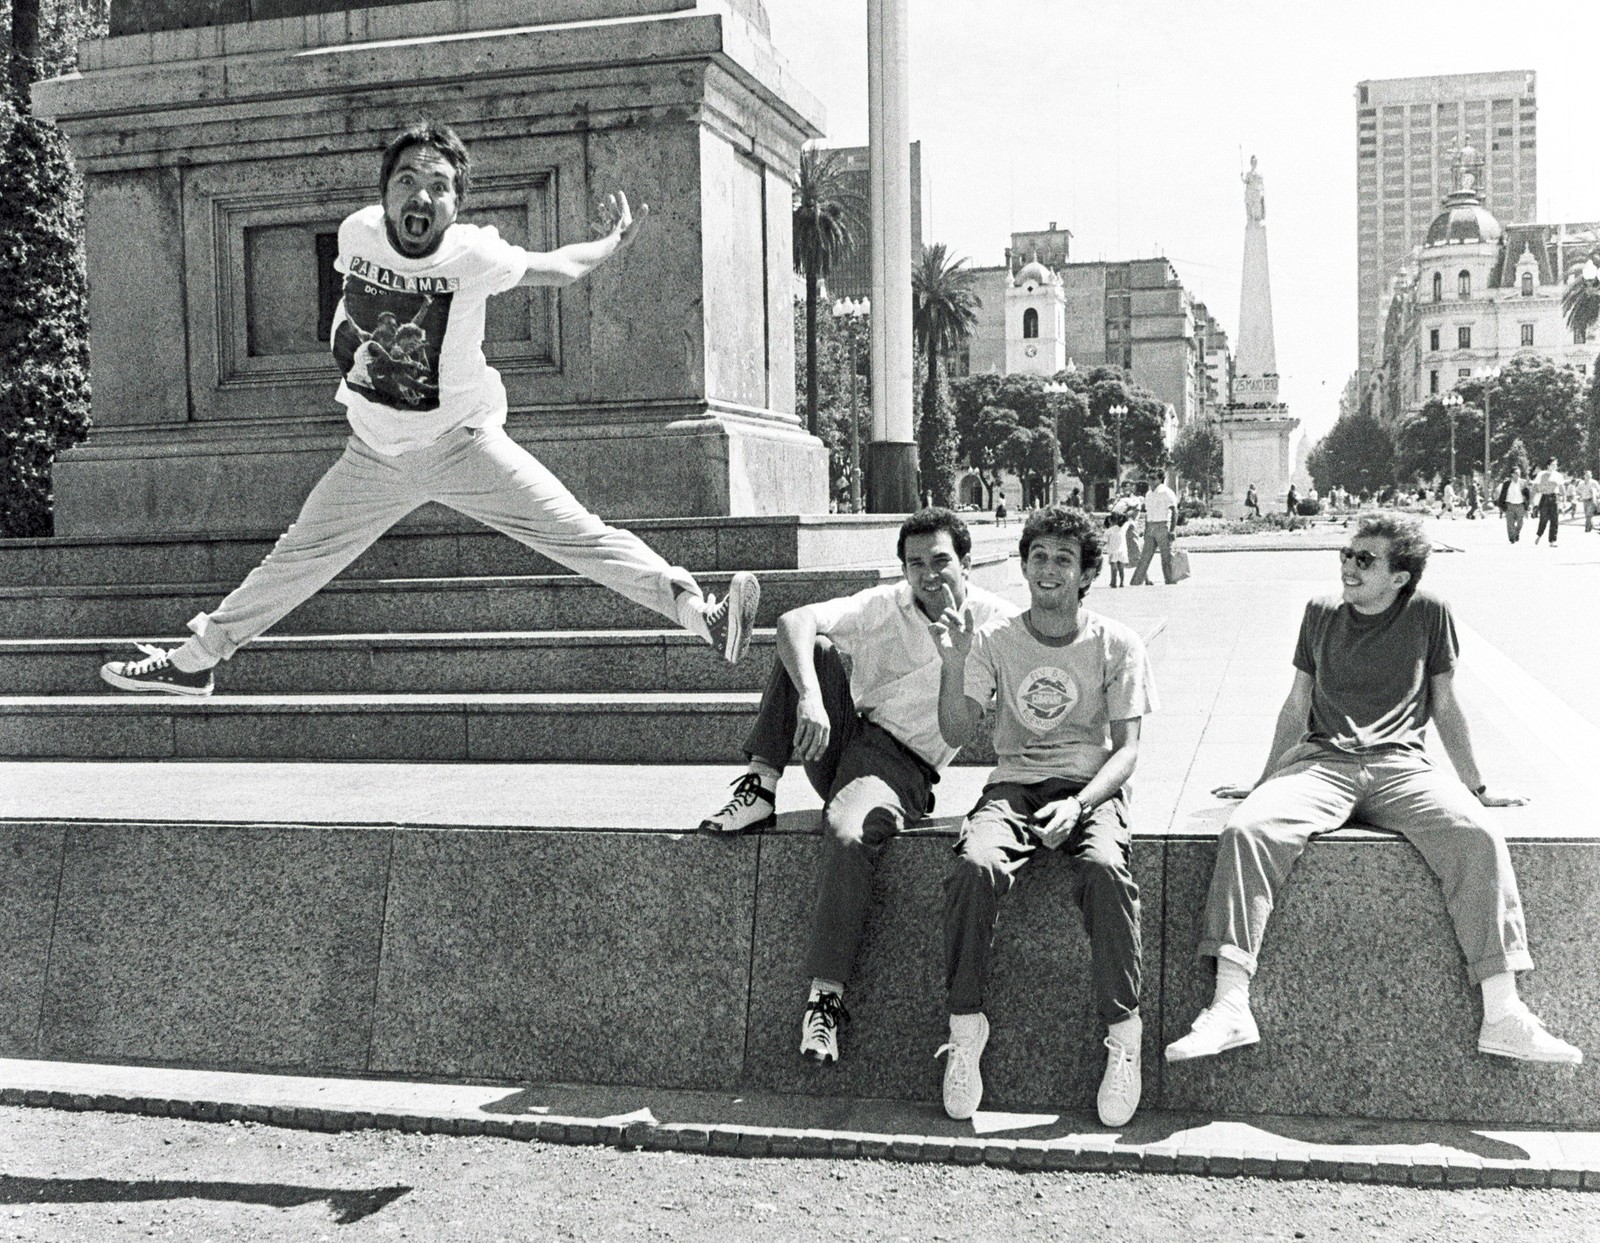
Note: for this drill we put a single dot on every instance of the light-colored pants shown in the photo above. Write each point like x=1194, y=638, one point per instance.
x=480, y=472
x=1314, y=793
x=1515, y=513
x=1158, y=536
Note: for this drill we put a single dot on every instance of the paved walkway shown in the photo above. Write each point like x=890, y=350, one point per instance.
x=1222, y=669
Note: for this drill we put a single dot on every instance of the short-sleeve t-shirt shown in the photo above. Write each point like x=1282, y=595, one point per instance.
x=408, y=333
x=1056, y=701
x=1370, y=672
x=894, y=664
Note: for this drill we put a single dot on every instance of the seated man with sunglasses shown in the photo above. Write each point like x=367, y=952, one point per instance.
x=1371, y=669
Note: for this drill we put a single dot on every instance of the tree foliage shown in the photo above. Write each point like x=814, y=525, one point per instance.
x=944, y=310
x=44, y=330
x=1539, y=403
x=1357, y=454
x=1422, y=444
x=827, y=218
x=1197, y=454
x=833, y=395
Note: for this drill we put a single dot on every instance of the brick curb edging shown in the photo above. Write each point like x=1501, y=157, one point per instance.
x=1022, y=1155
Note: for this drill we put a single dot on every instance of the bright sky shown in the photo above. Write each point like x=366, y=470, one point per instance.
x=1127, y=121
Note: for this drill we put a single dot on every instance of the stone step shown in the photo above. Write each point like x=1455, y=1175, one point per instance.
x=619, y=727
x=487, y=662
x=547, y=924
x=442, y=550
x=433, y=605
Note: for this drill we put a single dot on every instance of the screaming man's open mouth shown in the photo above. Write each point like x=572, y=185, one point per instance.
x=415, y=226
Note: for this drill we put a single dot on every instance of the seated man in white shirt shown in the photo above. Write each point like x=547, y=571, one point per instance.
x=867, y=732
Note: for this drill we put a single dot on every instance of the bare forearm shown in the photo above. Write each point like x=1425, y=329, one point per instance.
x=1457, y=740
x=570, y=263
x=797, y=646
x=958, y=715
x=1291, y=727
x=1113, y=775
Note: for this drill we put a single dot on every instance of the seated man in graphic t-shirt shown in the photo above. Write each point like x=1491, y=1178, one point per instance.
x=1371, y=670
x=1070, y=688
x=854, y=696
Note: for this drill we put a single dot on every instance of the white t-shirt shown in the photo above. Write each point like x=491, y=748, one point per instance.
x=1057, y=701
x=408, y=334
x=894, y=664
x=1159, y=503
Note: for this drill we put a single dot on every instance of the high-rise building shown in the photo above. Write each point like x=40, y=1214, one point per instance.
x=1407, y=133
x=851, y=276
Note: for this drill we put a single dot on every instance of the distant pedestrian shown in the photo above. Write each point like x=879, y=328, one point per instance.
x=1117, y=546
x=1472, y=498
x=1547, y=485
x=1252, y=502
x=1513, y=499
x=1447, y=500
x=1000, y=510
x=1160, y=508
x=1589, y=494
x=1293, y=501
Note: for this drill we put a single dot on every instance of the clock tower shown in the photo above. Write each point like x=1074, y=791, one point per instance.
x=1036, y=322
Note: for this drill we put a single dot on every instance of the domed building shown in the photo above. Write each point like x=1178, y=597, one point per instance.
x=1477, y=293
x=1036, y=321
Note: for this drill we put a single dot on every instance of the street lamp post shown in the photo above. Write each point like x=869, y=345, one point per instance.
x=1488, y=375
x=1117, y=411
x=1451, y=403
x=850, y=310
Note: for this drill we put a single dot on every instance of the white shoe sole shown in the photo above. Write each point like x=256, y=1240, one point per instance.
x=1524, y=1055
x=139, y=686
x=741, y=621
x=1237, y=1042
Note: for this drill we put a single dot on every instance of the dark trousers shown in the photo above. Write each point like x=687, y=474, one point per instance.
x=996, y=840
x=872, y=786
x=1549, y=516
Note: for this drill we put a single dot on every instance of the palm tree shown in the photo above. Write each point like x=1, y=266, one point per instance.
x=1581, y=301
x=827, y=220
x=944, y=310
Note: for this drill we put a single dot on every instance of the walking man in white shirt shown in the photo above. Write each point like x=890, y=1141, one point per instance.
x=1160, y=508
x=439, y=435
x=854, y=696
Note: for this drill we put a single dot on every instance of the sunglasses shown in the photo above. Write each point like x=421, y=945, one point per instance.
x=1364, y=560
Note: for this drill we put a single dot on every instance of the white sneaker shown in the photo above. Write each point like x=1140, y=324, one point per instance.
x=731, y=621
x=963, y=1083
x=752, y=808
x=1218, y=1029
x=1521, y=1035
x=819, y=1030
x=1121, y=1085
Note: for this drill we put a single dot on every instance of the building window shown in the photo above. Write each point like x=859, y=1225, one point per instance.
x=1464, y=337
x=1464, y=284
x=1463, y=373
x=1583, y=368
x=1527, y=334
x=1580, y=336
x=1030, y=323
x=1438, y=286
x=1527, y=284
x=1433, y=381
x=1433, y=338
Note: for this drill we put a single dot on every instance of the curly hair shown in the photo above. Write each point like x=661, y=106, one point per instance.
x=1408, y=546
x=1061, y=522
x=929, y=521
x=427, y=133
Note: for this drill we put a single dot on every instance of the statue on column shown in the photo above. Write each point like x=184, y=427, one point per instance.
x=1255, y=198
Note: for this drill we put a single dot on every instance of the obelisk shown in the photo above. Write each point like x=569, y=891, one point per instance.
x=1257, y=429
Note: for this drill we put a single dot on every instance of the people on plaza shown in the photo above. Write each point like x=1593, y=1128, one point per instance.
x=1589, y=497
x=1447, y=499
x=432, y=429
x=1071, y=688
x=854, y=696
x=1160, y=511
x=1513, y=498
x=1252, y=502
x=1117, y=546
x=1292, y=501
x=1373, y=666
x=1000, y=509
x=1547, y=486
x=1472, y=498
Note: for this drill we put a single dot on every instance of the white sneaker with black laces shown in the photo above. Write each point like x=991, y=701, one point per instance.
x=1522, y=1036
x=155, y=672
x=731, y=621
x=963, y=1081
x=819, y=1029
x=752, y=809
x=1121, y=1085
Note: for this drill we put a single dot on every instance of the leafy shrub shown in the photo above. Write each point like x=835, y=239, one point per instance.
x=1308, y=507
x=44, y=329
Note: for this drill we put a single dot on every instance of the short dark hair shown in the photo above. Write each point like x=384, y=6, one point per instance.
x=427, y=133
x=930, y=521
x=1408, y=546
x=1062, y=522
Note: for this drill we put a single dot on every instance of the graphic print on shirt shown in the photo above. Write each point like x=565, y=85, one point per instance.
x=1045, y=697
x=387, y=334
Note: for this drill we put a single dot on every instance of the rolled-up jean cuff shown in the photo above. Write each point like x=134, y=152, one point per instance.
x=1215, y=949
x=212, y=638
x=1517, y=960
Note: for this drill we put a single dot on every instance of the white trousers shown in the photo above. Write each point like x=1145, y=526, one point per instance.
x=480, y=472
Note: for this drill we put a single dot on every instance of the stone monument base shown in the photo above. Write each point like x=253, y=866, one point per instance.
x=1257, y=448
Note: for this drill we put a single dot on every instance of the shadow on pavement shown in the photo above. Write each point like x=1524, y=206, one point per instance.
x=346, y=1206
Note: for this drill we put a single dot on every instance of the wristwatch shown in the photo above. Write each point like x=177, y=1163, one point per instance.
x=1478, y=793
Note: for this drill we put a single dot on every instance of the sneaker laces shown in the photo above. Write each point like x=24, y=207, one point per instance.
x=155, y=658
x=715, y=610
x=747, y=792
x=1120, y=1067
x=959, y=1069
x=825, y=1013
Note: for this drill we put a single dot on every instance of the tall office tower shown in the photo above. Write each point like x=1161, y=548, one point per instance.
x=852, y=274
x=1407, y=131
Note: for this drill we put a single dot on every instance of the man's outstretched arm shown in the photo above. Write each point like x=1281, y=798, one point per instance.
x=1293, y=718
x=573, y=262
x=1457, y=739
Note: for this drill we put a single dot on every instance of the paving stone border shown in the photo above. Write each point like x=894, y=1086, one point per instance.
x=1354, y=1165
